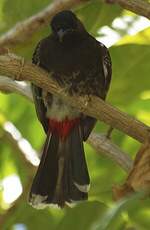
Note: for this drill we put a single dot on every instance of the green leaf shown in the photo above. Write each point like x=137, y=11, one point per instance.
x=31, y=218
x=130, y=73
x=142, y=38
x=113, y=218
x=139, y=213
x=95, y=14
x=82, y=216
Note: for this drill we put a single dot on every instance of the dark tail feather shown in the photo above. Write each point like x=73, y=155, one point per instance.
x=62, y=175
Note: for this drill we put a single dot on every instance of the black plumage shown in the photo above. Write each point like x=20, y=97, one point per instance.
x=82, y=66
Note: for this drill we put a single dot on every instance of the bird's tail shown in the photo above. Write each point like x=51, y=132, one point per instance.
x=62, y=176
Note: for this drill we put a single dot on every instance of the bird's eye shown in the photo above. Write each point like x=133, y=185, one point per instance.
x=55, y=27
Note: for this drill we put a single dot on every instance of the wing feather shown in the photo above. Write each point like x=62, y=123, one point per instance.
x=37, y=93
x=88, y=123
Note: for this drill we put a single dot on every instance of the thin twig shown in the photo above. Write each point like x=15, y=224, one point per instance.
x=104, y=146
x=8, y=85
x=25, y=153
x=109, y=132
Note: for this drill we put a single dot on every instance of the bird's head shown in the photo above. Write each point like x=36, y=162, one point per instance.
x=66, y=23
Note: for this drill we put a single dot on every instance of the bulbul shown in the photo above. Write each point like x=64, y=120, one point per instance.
x=82, y=66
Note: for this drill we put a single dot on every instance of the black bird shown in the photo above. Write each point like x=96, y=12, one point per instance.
x=82, y=66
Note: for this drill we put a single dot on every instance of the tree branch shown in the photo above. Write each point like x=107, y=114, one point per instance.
x=26, y=154
x=15, y=67
x=103, y=145
x=24, y=30
x=8, y=85
x=140, y=7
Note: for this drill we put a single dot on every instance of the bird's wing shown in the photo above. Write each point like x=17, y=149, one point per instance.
x=107, y=67
x=37, y=93
x=88, y=123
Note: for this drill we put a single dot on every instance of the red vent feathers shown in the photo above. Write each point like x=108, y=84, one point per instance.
x=62, y=128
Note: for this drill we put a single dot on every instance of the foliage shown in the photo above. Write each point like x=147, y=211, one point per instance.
x=129, y=91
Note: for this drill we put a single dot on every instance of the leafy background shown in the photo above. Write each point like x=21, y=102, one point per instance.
x=130, y=91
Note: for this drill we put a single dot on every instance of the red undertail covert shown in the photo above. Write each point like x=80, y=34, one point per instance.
x=62, y=128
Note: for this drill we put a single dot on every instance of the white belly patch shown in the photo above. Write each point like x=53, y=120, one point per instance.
x=58, y=109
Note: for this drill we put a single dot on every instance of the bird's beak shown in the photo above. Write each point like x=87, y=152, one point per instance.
x=62, y=32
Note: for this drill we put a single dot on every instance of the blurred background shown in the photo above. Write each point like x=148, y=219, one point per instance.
x=21, y=135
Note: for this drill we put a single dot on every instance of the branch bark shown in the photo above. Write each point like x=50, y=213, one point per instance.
x=104, y=146
x=8, y=85
x=15, y=67
x=24, y=30
x=140, y=7
x=26, y=154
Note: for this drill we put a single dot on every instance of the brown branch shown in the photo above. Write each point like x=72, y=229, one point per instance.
x=140, y=7
x=104, y=146
x=8, y=135
x=15, y=67
x=25, y=29
x=139, y=177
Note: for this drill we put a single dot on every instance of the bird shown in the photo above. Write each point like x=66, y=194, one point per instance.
x=81, y=65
